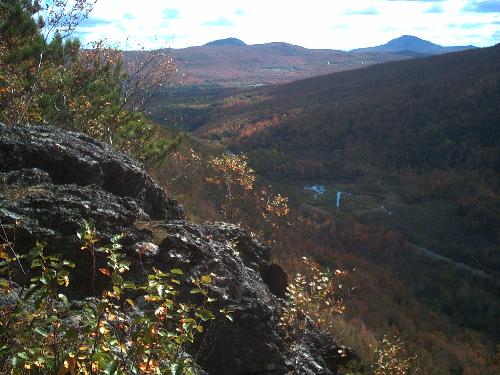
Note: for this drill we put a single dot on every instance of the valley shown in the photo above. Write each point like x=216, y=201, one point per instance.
x=359, y=129
x=307, y=200
x=412, y=145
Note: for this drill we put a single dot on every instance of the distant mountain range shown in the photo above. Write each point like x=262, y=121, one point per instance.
x=233, y=63
x=408, y=45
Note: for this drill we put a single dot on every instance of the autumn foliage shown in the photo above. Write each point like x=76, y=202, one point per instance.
x=46, y=77
x=43, y=332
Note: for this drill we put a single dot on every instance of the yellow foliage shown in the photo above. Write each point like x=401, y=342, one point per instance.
x=391, y=358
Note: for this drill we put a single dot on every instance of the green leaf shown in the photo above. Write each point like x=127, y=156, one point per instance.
x=44, y=279
x=177, y=271
x=174, y=368
x=67, y=263
x=205, y=315
x=15, y=361
x=128, y=285
x=4, y=283
x=36, y=263
x=33, y=289
x=63, y=298
x=22, y=355
x=196, y=291
x=117, y=238
x=199, y=328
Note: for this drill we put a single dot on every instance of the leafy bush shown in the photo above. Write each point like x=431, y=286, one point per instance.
x=315, y=294
x=315, y=298
x=392, y=359
x=42, y=332
x=318, y=298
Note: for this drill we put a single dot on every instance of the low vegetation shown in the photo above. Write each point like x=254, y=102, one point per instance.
x=43, y=332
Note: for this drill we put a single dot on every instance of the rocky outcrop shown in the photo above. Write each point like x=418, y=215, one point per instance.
x=51, y=180
x=74, y=158
x=251, y=344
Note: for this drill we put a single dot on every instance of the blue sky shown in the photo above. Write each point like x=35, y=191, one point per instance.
x=332, y=24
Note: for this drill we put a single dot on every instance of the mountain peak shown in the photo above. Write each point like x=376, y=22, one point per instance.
x=412, y=44
x=227, y=42
x=409, y=38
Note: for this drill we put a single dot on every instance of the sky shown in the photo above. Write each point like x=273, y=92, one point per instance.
x=330, y=24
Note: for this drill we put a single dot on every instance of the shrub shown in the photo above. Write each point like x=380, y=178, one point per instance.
x=315, y=298
x=42, y=332
x=392, y=359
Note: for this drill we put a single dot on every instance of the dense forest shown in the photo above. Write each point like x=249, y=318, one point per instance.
x=423, y=114
x=420, y=136
x=446, y=316
x=428, y=127
x=405, y=141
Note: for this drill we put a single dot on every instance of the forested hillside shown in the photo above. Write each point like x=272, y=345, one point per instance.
x=429, y=127
x=414, y=148
x=422, y=114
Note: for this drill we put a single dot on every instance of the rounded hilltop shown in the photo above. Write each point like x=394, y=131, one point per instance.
x=226, y=42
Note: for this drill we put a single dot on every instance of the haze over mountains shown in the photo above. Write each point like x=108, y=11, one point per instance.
x=233, y=63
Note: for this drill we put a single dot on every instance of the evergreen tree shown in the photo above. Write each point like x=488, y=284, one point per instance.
x=49, y=78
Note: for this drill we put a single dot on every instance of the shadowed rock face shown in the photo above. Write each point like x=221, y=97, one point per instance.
x=251, y=344
x=74, y=158
x=51, y=180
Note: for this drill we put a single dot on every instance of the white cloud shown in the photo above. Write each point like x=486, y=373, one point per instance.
x=313, y=23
